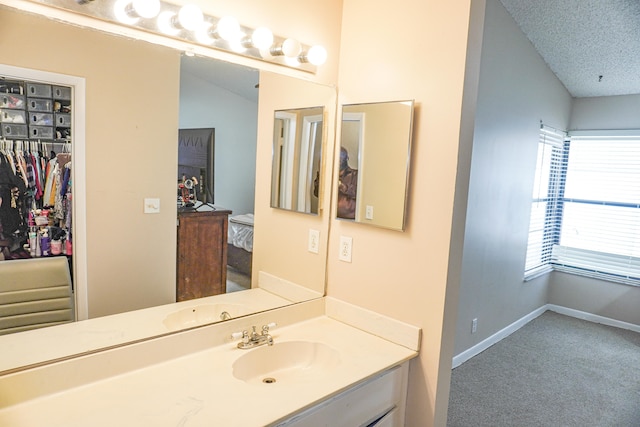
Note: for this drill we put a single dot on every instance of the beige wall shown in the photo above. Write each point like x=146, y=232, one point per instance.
x=281, y=236
x=409, y=49
x=130, y=152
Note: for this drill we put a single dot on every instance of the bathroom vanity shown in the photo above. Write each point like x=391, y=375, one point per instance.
x=331, y=363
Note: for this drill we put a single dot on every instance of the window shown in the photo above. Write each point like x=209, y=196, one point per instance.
x=585, y=216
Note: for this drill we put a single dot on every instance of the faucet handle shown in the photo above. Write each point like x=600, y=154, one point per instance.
x=265, y=328
x=238, y=335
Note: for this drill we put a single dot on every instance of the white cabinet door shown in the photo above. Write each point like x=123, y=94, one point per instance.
x=360, y=405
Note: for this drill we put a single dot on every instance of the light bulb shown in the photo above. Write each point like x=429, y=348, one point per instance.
x=190, y=17
x=317, y=55
x=146, y=8
x=236, y=45
x=228, y=28
x=164, y=23
x=202, y=33
x=290, y=48
x=262, y=38
x=120, y=11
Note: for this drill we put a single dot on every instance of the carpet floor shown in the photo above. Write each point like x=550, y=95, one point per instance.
x=555, y=371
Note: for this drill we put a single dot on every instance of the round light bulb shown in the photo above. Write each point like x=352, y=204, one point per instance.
x=120, y=11
x=236, y=45
x=228, y=28
x=190, y=17
x=164, y=23
x=291, y=48
x=202, y=33
x=262, y=38
x=146, y=8
x=317, y=55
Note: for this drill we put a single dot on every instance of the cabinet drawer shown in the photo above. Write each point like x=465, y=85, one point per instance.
x=61, y=92
x=44, y=132
x=14, y=131
x=39, y=90
x=63, y=120
x=10, y=100
x=12, y=116
x=41, y=119
x=35, y=104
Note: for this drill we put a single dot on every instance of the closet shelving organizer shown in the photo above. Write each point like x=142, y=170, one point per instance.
x=35, y=142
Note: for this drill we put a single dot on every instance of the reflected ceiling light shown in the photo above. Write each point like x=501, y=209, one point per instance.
x=190, y=25
x=292, y=61
x=146, y=8
x=261, y=38
x=316, y=55
x=165, y=23
x=227, y=28
x=202, y=33
x=237, y=45
x=190, y=17
x=290, y=48
x=120, y=11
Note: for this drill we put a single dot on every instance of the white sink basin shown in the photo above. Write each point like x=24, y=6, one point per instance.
x=202, y=314
x=288, y=361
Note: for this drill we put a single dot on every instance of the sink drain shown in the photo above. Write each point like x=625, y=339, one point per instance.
x=268, y=380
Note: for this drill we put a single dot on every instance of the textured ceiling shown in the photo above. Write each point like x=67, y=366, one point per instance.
x=582, y=40
x=235, y=78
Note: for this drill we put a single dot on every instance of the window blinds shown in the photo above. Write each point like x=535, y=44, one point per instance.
x=600, y=207
x=544, y=222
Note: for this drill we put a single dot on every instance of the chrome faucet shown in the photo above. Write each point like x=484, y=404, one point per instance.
x=254, y=339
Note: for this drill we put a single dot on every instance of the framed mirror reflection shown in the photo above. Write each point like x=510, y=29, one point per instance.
x=373, y=163
x=297, y=159
x=125, y=259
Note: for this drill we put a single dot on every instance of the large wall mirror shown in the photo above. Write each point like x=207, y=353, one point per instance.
x=297, y=159
x=374, y=158
x=126, y=265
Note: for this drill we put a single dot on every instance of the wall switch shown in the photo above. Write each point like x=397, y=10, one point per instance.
x=151, y=206
x=345, y=248
x=368, y=213
x=314, y=240
x=474, y=325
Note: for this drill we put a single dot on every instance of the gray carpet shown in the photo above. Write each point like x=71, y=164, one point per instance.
x=556, y=371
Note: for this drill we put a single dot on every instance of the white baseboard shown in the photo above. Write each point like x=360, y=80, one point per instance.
x=498, y=336
x=593, y=317
x=505, y=332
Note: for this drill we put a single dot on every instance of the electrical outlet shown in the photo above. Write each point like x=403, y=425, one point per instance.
x=314, y=240
x=345, y=248
x=368, y=213
x=474, y=325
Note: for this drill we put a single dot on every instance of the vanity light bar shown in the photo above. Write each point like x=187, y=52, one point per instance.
x=188, y=23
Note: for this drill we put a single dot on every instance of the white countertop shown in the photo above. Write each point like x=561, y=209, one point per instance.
x=39, y=345
x=199, y=389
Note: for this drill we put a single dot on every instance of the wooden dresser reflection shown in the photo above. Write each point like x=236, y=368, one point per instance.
x=202, y=254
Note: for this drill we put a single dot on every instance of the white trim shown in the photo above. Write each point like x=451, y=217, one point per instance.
x=285, y=289
x=498, y=336
x=79, y=228
x=503, y=333
x=374, y=323
x=593, y=317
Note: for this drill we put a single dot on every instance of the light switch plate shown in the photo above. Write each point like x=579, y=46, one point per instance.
x=151, y=205
x=314, y=240
x=346, y=244
x=368, y=213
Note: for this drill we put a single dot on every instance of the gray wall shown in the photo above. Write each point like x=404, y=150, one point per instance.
x=516, y=91
x=205, y=105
